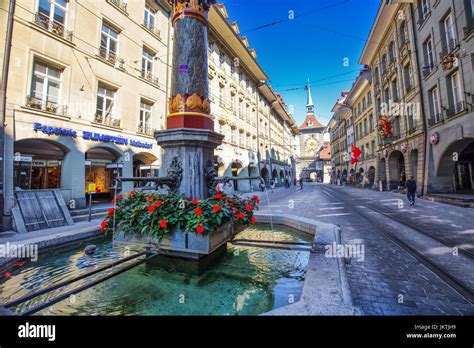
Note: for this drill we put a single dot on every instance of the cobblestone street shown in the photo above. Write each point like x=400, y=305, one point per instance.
x=395, y=276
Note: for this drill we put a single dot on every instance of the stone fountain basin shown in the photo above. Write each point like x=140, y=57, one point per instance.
x=188, y=244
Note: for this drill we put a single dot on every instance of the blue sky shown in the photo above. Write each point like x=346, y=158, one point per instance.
x=313, y=45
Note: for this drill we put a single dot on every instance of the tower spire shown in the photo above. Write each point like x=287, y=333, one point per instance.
x=309, y=105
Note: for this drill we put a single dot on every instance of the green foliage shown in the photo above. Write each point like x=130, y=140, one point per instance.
x=156, y=215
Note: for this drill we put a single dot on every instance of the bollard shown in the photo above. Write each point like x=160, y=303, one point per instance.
x=90, y=205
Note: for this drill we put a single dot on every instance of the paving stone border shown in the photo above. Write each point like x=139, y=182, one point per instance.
x=326, y=288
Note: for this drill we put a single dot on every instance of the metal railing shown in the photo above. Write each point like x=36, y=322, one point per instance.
x=456, y=109
x=52, y=26
x=148, y=75
x=151, y=28
x=145, y=129
x=107, y=120
x=119, y=3
x=108, y=55
x=36, y=103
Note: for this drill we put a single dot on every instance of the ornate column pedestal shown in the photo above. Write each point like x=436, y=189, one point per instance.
x=192, y=148
x=190, y=136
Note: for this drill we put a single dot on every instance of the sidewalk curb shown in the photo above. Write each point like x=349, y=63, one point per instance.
x=326, y=289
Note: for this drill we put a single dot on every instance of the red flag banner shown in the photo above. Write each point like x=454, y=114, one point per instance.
x=355, y=154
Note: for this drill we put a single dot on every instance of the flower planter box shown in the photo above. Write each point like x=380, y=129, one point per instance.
x=189, y=245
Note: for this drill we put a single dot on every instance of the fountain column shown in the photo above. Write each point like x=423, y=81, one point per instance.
x=189, y=136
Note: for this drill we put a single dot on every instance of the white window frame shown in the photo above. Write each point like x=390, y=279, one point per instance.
x=449, y=29
x=435, y=103
x=147, y=58
x=52, y=7
x=106, y=114
x=146, y=109
x=46, y=82
x=109, y=38
x=457, y=90
x=149, y=17
x=430, y=53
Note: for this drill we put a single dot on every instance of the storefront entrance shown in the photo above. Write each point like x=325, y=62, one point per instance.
x=101, y=170
x=37, y=165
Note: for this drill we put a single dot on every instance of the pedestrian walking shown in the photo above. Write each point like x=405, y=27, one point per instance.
x=410, y=185
x=294, y=181
x=272, y=184
x=287, y=183
x=262, y=184
x=301, y=183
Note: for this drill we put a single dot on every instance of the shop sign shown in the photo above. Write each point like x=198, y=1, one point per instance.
x=54, y=130
x=114, y=165
x=20, y=158
x=39, y=163
x=53, y=163
x=91, y=136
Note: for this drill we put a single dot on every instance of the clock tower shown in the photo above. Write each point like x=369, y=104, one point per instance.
x=311, y=140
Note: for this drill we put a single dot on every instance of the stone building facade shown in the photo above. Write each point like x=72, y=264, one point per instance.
x=89, y=85
x=259, y=130
x=445, y=46
x=390, y=54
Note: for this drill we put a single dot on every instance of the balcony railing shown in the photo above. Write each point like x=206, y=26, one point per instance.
x=468, y=29
x=52, y=26
x=108, y=55
x=35, y=103
x=145, y=129
x=434, y=119
x=148, y=75
x=456, y=109
x=449, y=46
x=119, y=3
x=107, y=120
x=151, y=28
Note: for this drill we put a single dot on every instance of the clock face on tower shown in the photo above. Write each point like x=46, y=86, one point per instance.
x=310, y=147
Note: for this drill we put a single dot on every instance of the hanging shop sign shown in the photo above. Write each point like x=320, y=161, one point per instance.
x=20, y=158
x=91, y=136
x=434, y=138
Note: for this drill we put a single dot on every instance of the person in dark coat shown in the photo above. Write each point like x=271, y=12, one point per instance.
x=410, y=185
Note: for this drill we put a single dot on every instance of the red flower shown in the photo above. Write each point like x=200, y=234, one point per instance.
x=151, y=208
x=200, y=229
x=248, y=207
x=120, y=196
x=241, y=215
x=113, y=200
x=253, y=220
x=150, y=198
x=195, y=201
x=218, y=196
x=256, y=199
x=8, y=274
x=157, y=203
x=163, y=223
x=103, y=225
x=198, y=211
x=236, y=210
x=216, y=208
x=231, y=204
x=111, y=211
x=132, y=193
x=189, y=198
x=20, y=263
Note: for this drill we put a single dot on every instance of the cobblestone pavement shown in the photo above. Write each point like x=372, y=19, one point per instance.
x=388, y=280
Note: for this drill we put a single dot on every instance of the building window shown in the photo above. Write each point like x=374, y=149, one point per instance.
x=52, y=17
x=457, y=94
x=404, y=33
x=105, y=106
x=221, y=96
x=435, y=106
x=45, y=87
x=391, y=52
x=395, y=94
x=408, y=75
x=108, y=43
x=147, y=63
x=450, y=33
x=429, y=57
x=144, y=125
x=149, y=18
